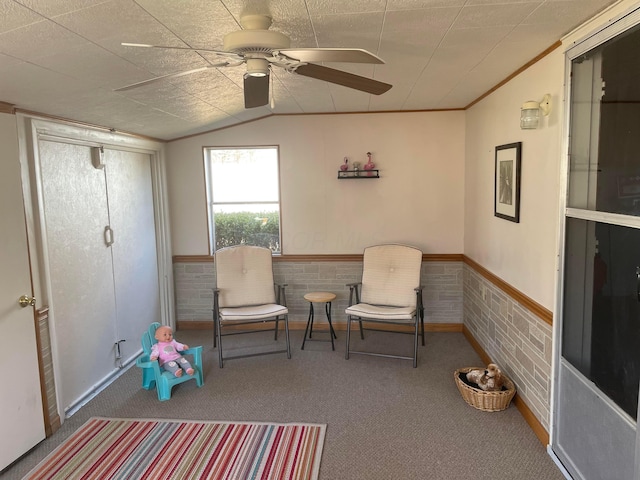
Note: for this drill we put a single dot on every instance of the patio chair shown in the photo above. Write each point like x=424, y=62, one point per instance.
x=389, y=293
x=246, y=294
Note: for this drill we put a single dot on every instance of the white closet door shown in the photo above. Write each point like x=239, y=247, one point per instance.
x=135, y=260
x=82, y=303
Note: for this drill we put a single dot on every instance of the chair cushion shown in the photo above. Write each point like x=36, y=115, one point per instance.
x=244, y=276
x=392, y=314
x=390, y=274
x=256, y=312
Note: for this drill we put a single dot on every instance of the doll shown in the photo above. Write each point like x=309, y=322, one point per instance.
x=166, y=352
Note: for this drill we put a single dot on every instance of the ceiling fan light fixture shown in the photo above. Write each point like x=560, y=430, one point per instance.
x=257, y=67
x=261, y=49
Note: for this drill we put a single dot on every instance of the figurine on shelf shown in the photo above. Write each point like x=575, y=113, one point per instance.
x=356, y=169
x=344, y=167
x=369, y=165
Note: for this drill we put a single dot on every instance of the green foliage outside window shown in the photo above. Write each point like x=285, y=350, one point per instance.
x=248, y=228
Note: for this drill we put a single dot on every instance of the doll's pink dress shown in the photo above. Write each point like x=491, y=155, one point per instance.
x=169, y=357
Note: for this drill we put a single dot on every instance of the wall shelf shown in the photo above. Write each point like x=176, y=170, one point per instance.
x=358, y=174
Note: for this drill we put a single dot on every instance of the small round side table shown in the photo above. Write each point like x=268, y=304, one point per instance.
x=319, y=297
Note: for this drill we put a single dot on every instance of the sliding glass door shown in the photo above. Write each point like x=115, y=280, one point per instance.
x=599, y=365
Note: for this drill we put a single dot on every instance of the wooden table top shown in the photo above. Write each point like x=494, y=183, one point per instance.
x=320, y=297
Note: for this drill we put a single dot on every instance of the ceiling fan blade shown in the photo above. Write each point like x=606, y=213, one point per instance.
x=256, y=91
x=347, y=55
x=345, y=79
x=217, y=52
x=170, y=75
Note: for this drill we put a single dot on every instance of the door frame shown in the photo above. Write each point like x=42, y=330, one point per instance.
x=32, y=129
x=615, y=26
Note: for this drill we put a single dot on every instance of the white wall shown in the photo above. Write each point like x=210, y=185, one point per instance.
x=418, y=199
x=522, y=254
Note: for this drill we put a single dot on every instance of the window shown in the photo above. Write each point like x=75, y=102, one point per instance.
x=243, y=197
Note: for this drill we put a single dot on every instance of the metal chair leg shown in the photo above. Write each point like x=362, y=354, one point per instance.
x=215, y=335
x=218, y=331
x=415, y=345
x=422, y=324
x=286, y=332
x=346, y=356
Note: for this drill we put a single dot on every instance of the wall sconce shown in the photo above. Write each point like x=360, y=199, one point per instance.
x=530, y=112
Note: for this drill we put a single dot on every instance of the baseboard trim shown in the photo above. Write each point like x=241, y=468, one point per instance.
x=443, y=327
x=523, y=408
x=321, y=326
x=193, y=325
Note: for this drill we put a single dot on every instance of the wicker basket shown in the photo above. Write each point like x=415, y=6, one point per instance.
x=486, y=401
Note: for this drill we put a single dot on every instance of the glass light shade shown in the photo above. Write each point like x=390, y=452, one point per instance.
x=257, y=67
x=530, y=115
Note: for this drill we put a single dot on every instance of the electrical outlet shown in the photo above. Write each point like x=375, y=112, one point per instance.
x=483, y=288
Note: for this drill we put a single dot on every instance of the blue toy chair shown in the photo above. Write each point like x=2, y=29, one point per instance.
x=154, y=376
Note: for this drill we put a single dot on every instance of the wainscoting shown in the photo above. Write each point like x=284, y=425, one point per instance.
x=510, y=329
x=441, y=276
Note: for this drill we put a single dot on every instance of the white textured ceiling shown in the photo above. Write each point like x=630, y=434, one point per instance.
x=64, y=57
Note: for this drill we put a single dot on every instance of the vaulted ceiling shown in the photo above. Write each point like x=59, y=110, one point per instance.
x=65, y=58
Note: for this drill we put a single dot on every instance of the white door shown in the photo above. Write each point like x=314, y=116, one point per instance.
x=20, y=397
x=134, y=253
x=103, y=263
x=82, y=303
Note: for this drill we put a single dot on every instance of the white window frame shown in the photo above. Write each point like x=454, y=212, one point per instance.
x=209, y=192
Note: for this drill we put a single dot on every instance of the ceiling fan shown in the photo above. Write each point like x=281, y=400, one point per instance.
x=261, y=49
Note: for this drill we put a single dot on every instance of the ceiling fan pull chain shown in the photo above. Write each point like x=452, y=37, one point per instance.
x=273, y=99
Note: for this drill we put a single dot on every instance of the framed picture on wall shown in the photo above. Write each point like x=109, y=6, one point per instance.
x=507, y=182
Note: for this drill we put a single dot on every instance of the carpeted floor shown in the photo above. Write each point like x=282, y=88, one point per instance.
x=385, y=420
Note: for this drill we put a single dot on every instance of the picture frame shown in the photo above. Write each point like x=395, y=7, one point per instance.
x=506, y=203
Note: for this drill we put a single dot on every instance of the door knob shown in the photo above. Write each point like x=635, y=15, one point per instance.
x=26, y=300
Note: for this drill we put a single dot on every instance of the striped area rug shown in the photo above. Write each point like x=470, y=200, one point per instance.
x=107, y=448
